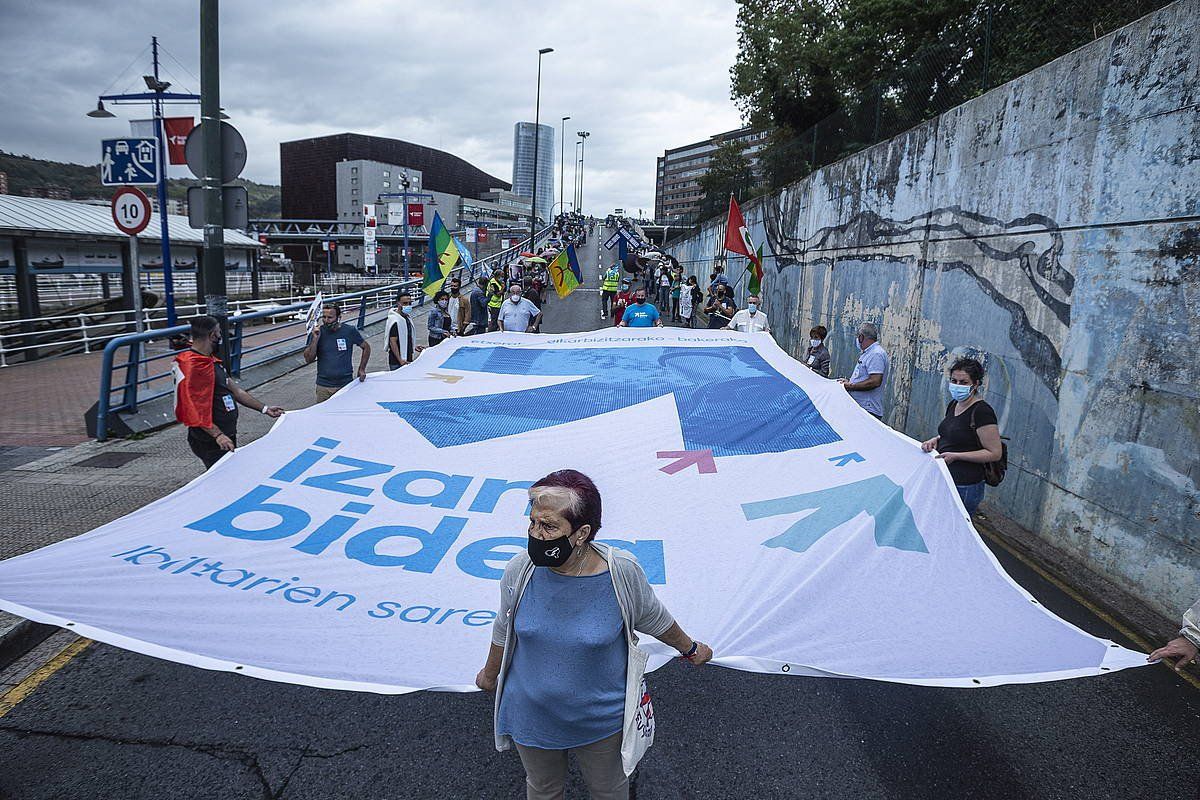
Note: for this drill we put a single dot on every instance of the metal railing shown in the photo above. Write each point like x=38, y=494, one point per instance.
x=250, y=345
x=66, y=290
x=135, y=386
x=90, y=331
x=502, y=259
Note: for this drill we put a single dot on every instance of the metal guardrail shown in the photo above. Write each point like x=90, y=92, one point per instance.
x=88, y=331
x=246, y=340
x=134, y=387
x=66, y=290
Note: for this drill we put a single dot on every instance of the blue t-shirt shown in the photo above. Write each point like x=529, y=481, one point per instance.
x=334, y=349
x=565, y=685
x=640, y=316
x=873, y=361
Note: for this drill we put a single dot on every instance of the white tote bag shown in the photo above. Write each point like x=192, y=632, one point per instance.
x=637, y=733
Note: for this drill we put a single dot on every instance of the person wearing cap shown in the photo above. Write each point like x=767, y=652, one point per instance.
x=517, y=314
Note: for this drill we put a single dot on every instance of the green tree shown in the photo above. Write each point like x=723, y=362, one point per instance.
x=784, y=75
x=729, y=172
x=832, y=76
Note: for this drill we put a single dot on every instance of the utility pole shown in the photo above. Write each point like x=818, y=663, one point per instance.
x=537, y=136
x=215, y=300
x=161, y=191
x=583, y=136
x=562, y=151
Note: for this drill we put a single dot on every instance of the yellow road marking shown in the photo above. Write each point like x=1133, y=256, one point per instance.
x=14, y=696
x=1083, y=601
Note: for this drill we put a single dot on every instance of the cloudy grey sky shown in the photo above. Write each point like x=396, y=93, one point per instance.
x=640, y=76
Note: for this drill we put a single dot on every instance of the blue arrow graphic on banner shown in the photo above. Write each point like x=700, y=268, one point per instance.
x=843, y=460
x=729, y=400
x=878, y=496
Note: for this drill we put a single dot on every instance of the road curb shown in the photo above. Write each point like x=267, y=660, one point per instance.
x=22, y=637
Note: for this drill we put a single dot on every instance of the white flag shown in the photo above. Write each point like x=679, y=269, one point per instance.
x=312, y=318
x=141, y=128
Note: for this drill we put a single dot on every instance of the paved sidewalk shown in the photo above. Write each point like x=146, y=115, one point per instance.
x=70, y=491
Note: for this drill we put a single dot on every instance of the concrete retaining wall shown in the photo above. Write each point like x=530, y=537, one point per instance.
x=1052, y=228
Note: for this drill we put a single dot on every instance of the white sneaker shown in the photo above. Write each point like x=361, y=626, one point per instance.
x=602, y=315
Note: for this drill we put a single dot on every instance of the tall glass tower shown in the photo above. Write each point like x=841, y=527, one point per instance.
x=523, y=134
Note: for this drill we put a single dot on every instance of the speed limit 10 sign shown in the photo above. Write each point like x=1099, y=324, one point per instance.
x=131, y=210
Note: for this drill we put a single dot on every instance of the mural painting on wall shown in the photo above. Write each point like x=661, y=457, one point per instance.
x=982, y=247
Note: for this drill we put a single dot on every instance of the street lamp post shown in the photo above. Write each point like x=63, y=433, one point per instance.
x=562, y=151
x=476, y=213
x=583, y=135
x=157, y=97
x=537, y=110
x=575, y=196
x=164, y=237
x=215, y=296
x=404, y=195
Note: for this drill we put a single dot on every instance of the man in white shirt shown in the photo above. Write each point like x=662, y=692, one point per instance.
x=518, y=314
x=750, y=319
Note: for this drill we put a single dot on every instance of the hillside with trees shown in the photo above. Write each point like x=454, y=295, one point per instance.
x=83, y=182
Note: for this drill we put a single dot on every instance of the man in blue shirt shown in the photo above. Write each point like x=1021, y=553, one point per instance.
x=641, y=314
x=331, y=345
x=866, y=382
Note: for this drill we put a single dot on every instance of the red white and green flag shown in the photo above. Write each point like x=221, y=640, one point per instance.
x=737, y=240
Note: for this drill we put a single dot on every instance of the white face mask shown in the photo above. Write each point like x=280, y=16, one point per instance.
x=814, y=343
x=516, y=298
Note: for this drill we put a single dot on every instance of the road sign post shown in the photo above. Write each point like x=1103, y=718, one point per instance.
x=131, y=214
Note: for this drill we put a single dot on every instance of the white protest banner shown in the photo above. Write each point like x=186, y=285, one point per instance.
x=360, y=543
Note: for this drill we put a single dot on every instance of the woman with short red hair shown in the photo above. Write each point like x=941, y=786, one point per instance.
x=563, y=661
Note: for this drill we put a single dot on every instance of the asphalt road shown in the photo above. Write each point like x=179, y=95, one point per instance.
x=113, y=724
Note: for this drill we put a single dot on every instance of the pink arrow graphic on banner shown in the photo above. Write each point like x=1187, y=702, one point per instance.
x=703, y=459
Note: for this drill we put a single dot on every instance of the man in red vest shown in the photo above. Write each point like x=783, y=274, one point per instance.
x=205, y=399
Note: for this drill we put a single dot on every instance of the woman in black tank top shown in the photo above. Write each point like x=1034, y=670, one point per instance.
x=969, y=436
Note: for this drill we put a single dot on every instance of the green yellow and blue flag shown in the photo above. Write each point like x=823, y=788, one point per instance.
x=443, y=256
x=565, y=273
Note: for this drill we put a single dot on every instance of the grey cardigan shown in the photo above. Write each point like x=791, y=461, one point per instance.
x=635, y=598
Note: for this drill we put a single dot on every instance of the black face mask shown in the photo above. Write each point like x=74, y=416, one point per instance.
x=550, y=552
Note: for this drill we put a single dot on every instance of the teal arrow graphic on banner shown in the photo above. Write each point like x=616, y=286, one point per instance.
x=846, y=458
x=877, y=496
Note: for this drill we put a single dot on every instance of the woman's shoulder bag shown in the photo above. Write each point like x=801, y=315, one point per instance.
x=993, y=471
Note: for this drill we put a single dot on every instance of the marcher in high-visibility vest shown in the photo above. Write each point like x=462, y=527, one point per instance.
x=610, y=282
x=495, y=294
